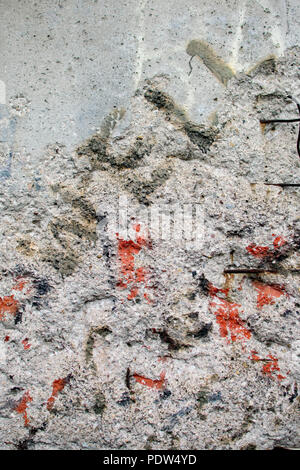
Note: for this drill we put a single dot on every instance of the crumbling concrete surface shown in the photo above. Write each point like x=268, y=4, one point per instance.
x=158, y=338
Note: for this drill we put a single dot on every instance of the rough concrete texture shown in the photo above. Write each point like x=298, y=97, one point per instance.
x=146, y=343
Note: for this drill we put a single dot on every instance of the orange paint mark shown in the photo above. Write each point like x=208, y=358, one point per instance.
x=228, y=316
x=267, y=293
x=156, y=384
x=57, y=386
x=25, y=343
x=22, y=407
x=131, y=276
x=8, y=305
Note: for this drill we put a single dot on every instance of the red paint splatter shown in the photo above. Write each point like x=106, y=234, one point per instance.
x=141, y=274
x=7, y=338
x=264, y=251
x=278, y=241
x=20, y=284
x=146, y=297
x=267, y=293
x=258, y=251
x=133, y=293
x=25, y=343
x=57, y=386
x=156, y=384
x=8, y=305
x=22, y=407
x=280, y=377
x=213, y=291
x=163, y=358
x=270, y=367
x=254, y=356
x=132, y=277
x=228, y=319
x=228, y=316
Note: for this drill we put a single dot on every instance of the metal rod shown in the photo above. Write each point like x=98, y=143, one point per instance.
x=259, y=271
x=283, y=184
x=271, y=121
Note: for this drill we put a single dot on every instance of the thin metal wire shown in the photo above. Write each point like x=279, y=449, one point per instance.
x=271, y=121
x=190, y=64
x=259, y=271
x=284, y=185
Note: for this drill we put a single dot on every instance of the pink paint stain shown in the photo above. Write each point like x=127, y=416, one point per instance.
x=132, y=277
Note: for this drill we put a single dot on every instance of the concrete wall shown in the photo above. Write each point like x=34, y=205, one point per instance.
x=171, y=335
